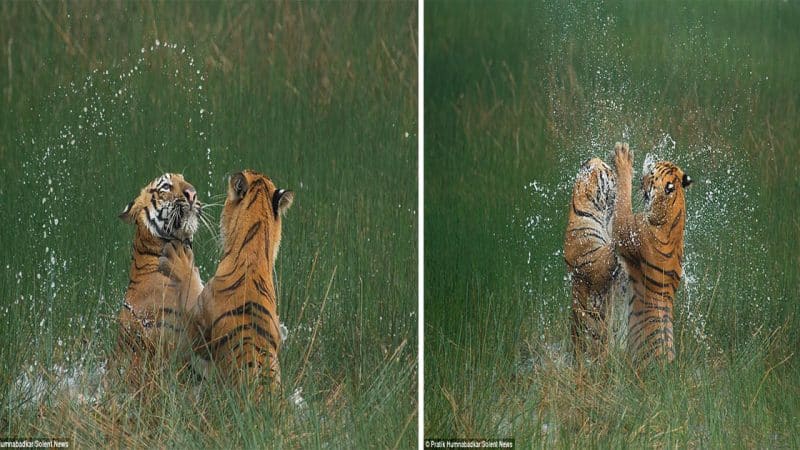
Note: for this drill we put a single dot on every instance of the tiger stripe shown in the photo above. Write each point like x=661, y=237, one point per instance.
x=152, y=319
x=654, y=259
x=589, y=254
x=238, y=305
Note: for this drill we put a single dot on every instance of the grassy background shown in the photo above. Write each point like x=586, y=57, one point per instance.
x=517, y=95
x=99, y=98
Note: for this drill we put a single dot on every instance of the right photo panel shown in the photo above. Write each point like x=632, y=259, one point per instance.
x=611, y=226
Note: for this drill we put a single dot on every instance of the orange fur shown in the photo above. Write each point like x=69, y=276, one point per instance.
x=589, y=254
x=153, y=316
x=650, y=245
x=237, y=313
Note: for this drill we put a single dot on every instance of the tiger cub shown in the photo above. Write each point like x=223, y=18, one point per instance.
x=153, y=316
x=237, y=313
x=650, y=245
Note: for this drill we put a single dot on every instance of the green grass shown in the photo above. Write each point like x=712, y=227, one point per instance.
x=318, y=96
x=517, y=95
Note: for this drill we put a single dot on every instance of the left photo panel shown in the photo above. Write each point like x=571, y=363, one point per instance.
x=210, y=232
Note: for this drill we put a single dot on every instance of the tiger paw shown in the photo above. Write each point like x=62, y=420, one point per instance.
x=623, y=157
x=176, y=261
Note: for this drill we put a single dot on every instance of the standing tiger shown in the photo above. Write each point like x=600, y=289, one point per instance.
x=237, y=311
x=650, y=245
x=589, y=254
x=153, y=316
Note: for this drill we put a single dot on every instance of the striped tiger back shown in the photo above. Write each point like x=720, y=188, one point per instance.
x=589, y=254
x=238, y=307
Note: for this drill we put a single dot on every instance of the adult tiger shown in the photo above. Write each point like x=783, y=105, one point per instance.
x=153, y=315
x=237, y=310
x=650, y=245
x=589, y=254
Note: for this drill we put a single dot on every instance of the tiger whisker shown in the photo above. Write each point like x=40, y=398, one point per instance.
x=168, y=225
x=214, y=233
x=173, y=218
x=204, y=220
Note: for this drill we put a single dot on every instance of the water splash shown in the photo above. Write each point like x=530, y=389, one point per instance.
x=593, y=104
x=81, y=384
x=82, y=123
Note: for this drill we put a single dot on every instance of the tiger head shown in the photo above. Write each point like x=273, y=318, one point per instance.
x=663, y=190
x=167, y=207
x=255, y=206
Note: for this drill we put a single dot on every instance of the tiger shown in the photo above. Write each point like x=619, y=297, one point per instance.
x=650, y=245
x=153, y=316
x=590, y=256
x=236, y=314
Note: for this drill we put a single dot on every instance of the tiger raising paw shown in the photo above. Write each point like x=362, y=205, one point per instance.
x=153, y=316
x=650, y=245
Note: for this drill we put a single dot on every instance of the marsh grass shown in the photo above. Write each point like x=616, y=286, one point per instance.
x=100, y=98
x=518, y=94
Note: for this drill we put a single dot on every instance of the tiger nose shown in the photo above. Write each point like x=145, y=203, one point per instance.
x=191, y=195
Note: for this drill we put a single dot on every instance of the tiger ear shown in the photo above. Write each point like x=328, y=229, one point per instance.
x=127, y=214
x=239, y=186
x=281, y=201
x=686, y=181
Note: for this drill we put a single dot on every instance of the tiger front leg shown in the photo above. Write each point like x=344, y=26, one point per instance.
x=624, y=225
x=177, y=263
x=275, y=374
x=623, y=162
x=201, y=316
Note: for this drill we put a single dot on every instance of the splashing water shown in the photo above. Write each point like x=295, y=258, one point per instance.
x=587, y=115
x=99, y=113
x=716, y=206
x=80, y=384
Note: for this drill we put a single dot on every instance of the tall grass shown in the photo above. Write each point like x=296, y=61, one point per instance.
x=100, y=98
x=518, y=94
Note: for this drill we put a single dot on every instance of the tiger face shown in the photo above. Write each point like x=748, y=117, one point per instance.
x=250, y=195
x=168, y=207
x=663, y=189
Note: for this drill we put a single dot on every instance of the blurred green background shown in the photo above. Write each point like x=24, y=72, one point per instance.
x=517, y=96
x=99, y=98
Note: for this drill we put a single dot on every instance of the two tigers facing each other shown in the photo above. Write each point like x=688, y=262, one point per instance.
x=236, y=317
x=615, y=256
